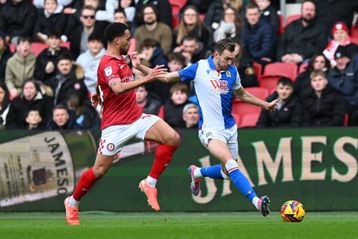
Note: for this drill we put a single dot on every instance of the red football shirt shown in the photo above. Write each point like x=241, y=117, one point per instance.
x=118, y=109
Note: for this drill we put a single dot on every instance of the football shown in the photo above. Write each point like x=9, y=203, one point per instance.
x=292, y=211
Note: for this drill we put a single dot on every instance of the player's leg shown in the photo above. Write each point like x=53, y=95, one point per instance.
x=168, y=140
x=85, y=183
x=222, y=152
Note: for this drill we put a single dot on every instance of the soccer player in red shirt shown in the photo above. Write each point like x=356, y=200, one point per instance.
x=123, y=120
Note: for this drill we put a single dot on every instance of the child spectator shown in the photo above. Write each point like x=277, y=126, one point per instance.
x=52, y=17
x=34, y=120
x=341, y=37
x=322, y=106
x=173, y=110
x=90, y=59
x=45, y=67
x=20, y=67
x=289, y=110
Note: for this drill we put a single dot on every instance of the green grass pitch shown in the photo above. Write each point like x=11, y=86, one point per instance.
x=240, y=225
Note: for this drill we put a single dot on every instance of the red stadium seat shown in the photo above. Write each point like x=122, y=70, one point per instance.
x=248, y=120
x=236, y=118
x=177, y=5
x=292, y=18
x=258, y=70
x=259, y=92
x=302, y=68
x=269, y=82
x=354, y=32
x=242, y=108
x=161, y=112
x=282, y=69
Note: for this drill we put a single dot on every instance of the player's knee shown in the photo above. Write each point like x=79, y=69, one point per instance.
x=173, y=139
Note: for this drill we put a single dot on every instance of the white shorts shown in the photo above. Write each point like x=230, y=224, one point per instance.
x=114, y=137
x=228, y=136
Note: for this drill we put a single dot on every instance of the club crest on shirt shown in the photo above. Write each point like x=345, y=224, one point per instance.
x=110, y=147
x=108, y=70
x=228, y=74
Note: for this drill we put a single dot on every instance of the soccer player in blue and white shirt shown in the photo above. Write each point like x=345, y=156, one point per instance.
x=216, y=82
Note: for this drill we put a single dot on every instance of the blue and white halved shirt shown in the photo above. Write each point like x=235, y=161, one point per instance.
x=214, y=90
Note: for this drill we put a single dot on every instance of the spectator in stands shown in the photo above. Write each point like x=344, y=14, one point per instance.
x=128, y=7
x=79, y=41
x=5, y=54
x=330, y=12
x=202, y=5
x=215, y=12
x=34, y=120
x=7, y=115
x=69, y=80
x=62, y=119
x=289, y=109
x=269, y=14
x=120, y=16
x=20, y=66
x=31, y=98
x=154, y=29
x=258, y=36
x=151, y=55
x=230, y=25
x=90, y=59
x=341, y=37
x=191, y=115
x=191, y=24
x=164, y=11
x=41, y=3
x=45, y=67
x=322, y=106
x=176, y=61
x=17, y=19
x=173, y=110
x=84, y=114
x=245, y=67
x=52, y=17
x=317, y=62
x=343, y=78
x=302, y=38
x=192, y=49
x=104, y=9
x=149, y=103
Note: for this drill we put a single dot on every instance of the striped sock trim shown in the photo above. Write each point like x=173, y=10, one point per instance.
x=233, y=169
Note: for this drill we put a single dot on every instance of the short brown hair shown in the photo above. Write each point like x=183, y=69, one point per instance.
x=225, y=44
x=179, y=87
x=316, y=73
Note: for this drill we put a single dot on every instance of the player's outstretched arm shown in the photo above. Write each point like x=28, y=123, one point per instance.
x=139, y=66
x=170, y=77
x=119, y=87
x=249, y=98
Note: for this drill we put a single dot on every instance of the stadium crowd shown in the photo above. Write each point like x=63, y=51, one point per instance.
x=50, y=50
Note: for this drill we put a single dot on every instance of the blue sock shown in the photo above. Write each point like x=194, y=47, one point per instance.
x=212, y=171
x=240, y=180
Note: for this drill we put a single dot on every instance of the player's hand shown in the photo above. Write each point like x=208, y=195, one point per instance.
x=158, y=72
x=135, y=59
x=95, y=100
x=271, y=106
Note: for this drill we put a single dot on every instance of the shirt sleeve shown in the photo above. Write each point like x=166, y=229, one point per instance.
x=111, y=71
x=237, y=85
x=189, y=72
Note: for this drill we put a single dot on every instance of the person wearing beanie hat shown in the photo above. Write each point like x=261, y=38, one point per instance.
x=5, y=54
x=341, y=37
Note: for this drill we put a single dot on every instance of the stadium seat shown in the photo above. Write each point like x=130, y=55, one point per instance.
x=241, y=108
x=282, y=69
x=177, y=5
x=291, y=18
x=236, y=118
x=161, y=112
x=354, y=32
x=269, y=82
x=259, y=92
x=302, y=68
x=258, y=70
x=248, y=120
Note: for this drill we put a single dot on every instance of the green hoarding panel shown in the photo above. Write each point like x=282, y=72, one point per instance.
x=315, y=166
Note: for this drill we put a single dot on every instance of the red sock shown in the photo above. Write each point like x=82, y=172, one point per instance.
x=85, y=183
x=163, y=155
